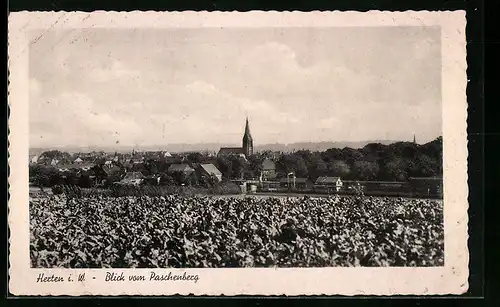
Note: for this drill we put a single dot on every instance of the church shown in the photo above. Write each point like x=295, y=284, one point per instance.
x=247, y=147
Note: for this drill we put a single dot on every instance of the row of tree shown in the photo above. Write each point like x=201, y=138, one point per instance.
x=395, y=162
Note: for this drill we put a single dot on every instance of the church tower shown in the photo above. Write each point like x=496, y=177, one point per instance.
x=247, y=141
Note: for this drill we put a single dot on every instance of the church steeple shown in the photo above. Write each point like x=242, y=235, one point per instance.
x=414, y=139
x=247, y=141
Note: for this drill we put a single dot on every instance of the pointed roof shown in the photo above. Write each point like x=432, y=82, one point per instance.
x=211, y=169
x=133, y=176
x=230, y=151
x=327, y=180
x=247, y=130
x=180, y=168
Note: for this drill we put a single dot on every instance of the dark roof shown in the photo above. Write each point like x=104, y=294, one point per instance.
x=111, y=170
x=180, y=168
x=100, y=161
x=325, y=180
x=75, y=166
x=211, y=169
x=133, y=176
x=268, y=165
x=230, y=151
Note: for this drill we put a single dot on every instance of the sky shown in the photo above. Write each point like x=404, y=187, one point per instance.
x=107, y=87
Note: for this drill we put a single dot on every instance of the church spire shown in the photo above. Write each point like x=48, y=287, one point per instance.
x=247, y=140
x=247, y=128
x=414, y=139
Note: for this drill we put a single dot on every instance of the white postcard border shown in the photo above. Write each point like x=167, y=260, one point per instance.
x=450, y=279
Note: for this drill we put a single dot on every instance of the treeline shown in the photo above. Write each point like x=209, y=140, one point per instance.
x=394, y=162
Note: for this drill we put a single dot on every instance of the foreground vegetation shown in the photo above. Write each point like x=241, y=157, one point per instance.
x=192, y=231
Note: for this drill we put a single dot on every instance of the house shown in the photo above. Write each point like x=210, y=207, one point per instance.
x=99, y=161
x=181, y=171
x=34, y=159
x=75, y=167
x=78, y=160
x=137, y=160
x=301, y=184
x=210, y=170
x=181, y=168
x=268, y=170
x=328, y=184
x=132, y=178
x=112, y=170
x=427, y=186
x=229, y=151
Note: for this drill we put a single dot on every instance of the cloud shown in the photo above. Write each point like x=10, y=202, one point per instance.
x=72, y=118
x=143, y=87
x=117, y=71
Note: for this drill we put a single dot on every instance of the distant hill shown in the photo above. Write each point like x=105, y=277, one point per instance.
x=318, y=146
x=214, y=147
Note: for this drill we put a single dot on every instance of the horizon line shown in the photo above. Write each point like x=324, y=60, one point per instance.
x=223, y=143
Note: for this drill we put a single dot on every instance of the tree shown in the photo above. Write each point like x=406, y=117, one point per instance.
x=293, y=163
x=195, y=157
x=321, y=169
x=44, y=176
x=350, y=155
x=140, y=167
x=396, y=169
x=364, y=170
x=152, y=166
x=166, y=179
x=338, y=168
x=239, y=166
x=225, y=166
x=56, y=154
x=193, y=179
x=332, y=154
x=255, y=165
x=425, y=166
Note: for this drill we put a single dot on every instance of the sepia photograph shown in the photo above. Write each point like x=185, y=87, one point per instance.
x=235, y=147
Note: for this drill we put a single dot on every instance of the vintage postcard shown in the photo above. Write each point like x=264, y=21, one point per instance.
x=226, y=153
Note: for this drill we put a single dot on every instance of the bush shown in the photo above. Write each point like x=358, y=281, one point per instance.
x=57, y=189
x=225, y=188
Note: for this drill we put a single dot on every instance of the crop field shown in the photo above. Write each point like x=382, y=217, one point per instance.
x=208, y=231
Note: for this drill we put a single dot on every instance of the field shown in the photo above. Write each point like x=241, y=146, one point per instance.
x=208, y=231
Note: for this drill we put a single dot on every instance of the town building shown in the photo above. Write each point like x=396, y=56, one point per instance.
x=268, y=170
x=296, y=184
x=247, y=145
x=328, y=184
x=182, y=172
x=34, y=159
x=210, y=170
x=132, y=178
